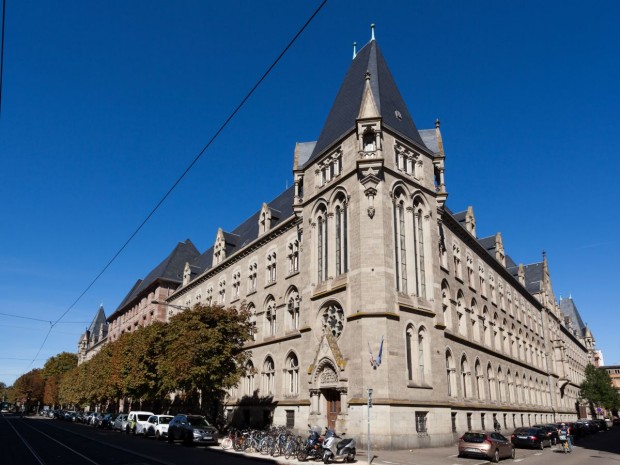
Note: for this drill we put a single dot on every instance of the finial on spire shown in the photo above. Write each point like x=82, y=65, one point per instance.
x=437, y=123
x=354, y=50
x=367, y=75
x=372, y=32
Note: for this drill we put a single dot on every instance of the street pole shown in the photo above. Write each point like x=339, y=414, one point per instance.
x=369, y=407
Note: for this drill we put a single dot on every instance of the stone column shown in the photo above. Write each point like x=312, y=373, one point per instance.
x=344, y=402
x=314, y=401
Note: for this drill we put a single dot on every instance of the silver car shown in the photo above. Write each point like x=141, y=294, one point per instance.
x=120, y=424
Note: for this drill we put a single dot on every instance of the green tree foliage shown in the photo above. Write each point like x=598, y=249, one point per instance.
x=203, y=349
x=598, y=389
x=53, y=370
x=199, y=351
x=29, y=386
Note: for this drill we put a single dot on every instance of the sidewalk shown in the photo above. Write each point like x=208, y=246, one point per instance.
x=378, y=457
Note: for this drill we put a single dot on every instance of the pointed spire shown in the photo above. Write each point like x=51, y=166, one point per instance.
x=372, y=32
x=368, y=107
x=388, y=100
x=354, y=50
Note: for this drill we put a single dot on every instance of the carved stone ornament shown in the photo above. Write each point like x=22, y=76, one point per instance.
x=371, y=212
x=328, y=376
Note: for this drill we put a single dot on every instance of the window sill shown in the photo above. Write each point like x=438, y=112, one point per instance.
x=272, y=283
x=290, y=275
x=414, y=385
x=252, y=292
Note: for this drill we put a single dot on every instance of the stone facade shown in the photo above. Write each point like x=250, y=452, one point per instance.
x=370, y=256
x=359, y=276
x=94, y=338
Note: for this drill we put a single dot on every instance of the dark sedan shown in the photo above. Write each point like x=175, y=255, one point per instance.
x=530, y=437
x=551, y=431
x=191, y=429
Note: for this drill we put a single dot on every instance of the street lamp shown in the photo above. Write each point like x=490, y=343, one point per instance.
x=170, y=312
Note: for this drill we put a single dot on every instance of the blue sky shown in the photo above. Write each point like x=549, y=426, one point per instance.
x=106, y=103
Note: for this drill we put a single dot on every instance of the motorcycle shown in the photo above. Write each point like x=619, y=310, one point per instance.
x=334, y=449
x=311, y=449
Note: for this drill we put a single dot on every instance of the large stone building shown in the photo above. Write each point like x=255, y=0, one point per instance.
x=94, y=338
x=359, y=276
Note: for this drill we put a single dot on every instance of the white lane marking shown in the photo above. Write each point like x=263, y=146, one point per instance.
x=32, y=451
x=62, y=444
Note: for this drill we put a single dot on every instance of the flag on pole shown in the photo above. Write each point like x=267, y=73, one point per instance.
x=378, y=362
x=372, y=359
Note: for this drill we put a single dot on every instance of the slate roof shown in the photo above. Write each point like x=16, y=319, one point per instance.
x=281, y=208
x=488, y=243
x=345, y=110
x=533, y=277
x=98, y=321
x=569, y=309
x=170, y=269
x=429, y=137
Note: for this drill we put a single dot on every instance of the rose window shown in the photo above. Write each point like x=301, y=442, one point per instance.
x=333, y=320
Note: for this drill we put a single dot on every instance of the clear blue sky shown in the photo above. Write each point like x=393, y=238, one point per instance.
x=106, y=103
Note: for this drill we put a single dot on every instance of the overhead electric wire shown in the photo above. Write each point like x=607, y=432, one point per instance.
x=182, y=176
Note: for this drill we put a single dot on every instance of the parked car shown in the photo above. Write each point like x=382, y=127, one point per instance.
x=107, y=421
x=530, y=437
x=136, y=421
x=551, y=431
x=157, y=425
x=488, y=444
x=120, y=422
x=190, y=429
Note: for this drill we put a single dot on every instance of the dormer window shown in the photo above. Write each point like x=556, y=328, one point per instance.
x=264, y=220
x=369, y=141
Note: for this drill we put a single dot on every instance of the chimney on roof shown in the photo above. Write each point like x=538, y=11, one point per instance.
x=470, y=221
x=521, y=274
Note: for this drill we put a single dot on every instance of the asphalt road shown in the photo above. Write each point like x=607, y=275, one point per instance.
x=41, y=441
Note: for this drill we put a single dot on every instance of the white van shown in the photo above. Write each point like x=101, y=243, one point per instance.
x=137, y=421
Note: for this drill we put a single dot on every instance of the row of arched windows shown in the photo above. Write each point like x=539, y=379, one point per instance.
x=489, y=330
x=493, y=385
x=266, y=384
x=272, y=321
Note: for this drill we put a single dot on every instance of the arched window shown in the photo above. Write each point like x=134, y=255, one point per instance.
x=341, y=238
x=333, y=319
x=409, y=348
x=450, y=374
x=501, y=385
x=445, y=304
x=292, y=306
x=422, y=343
x=487, y=322
x=322, y=245
x=270, y=317
x=269, y=374
x=420, y=244
x=400, y=241
x=460, y=313
x=292, y=375
x=369, y=141
x=465, y=377
x=491, y=383
x=252, y=311
x=249, y=379
x=476, y=321
x=480, y=380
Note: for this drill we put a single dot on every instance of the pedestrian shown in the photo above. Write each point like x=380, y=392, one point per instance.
x=496, y=425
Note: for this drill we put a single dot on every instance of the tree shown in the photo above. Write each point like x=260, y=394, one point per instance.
x=29, y=386
x=55, y=367
x=598, y=389
x=204, y=351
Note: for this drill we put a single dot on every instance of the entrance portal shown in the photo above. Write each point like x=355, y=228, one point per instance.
x=332, y=398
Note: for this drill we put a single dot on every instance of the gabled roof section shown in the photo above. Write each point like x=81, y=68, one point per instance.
x=569, y=309
x=246, y=232
x=386, y=97
x=170, y=269
x=534, y=277
x=429, y=137
x=98, y=321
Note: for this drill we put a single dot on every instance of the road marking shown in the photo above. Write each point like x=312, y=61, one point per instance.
x=62, y=444
x=32, y=451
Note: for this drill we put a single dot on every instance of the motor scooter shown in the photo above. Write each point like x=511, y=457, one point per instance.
x=311, y=448
x=336, y=449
